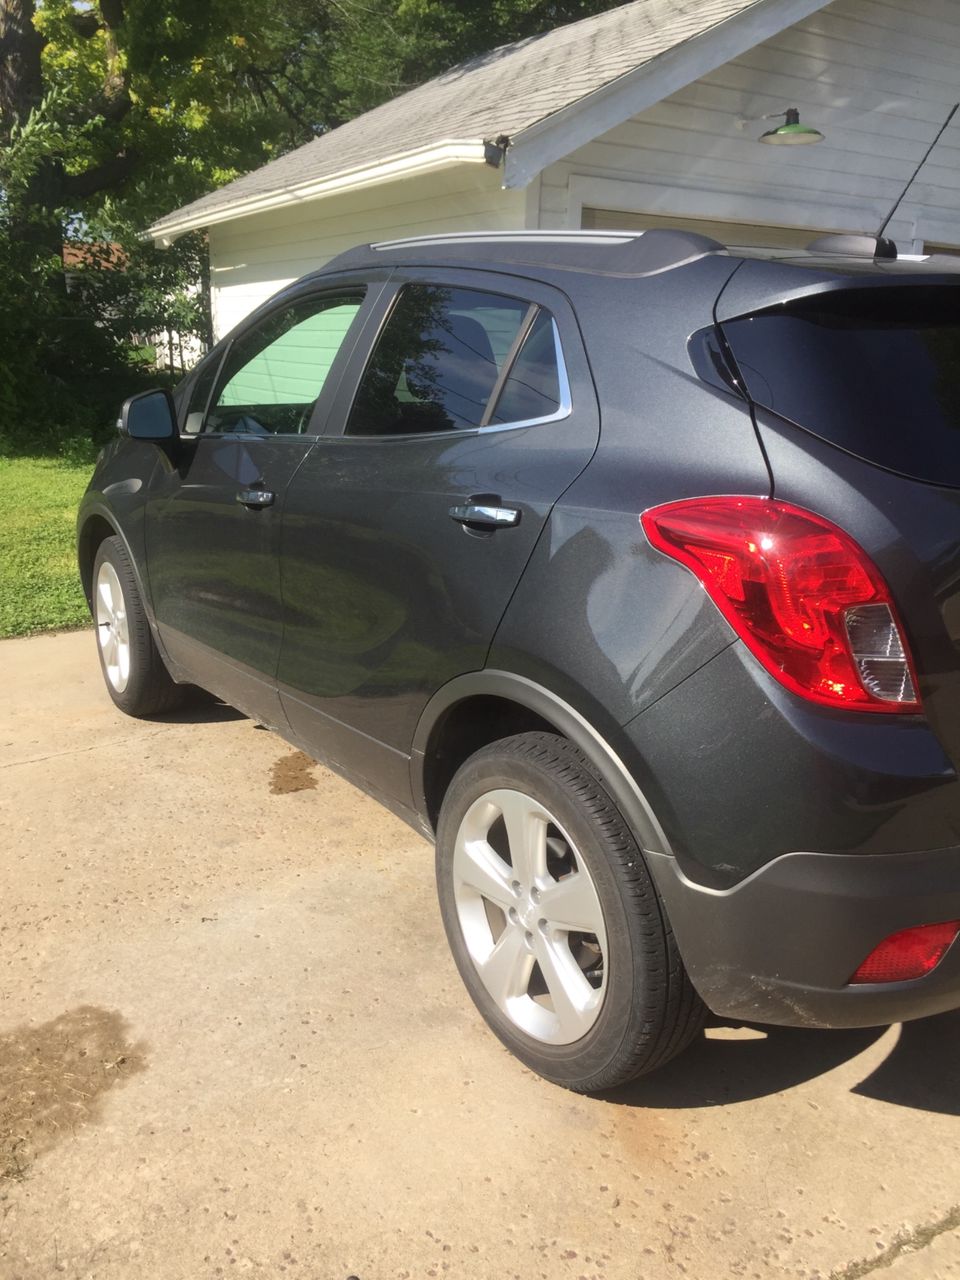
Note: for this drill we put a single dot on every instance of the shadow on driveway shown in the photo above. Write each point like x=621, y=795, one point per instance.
x=922, y=1069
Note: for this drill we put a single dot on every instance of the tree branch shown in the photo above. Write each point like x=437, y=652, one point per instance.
x=113, y=103
x=112, y=13
x=109, y=173
x=261, y=78
x=86, y=24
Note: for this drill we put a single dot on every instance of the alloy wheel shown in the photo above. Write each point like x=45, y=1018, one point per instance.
x=530, y=916
x=112, y=629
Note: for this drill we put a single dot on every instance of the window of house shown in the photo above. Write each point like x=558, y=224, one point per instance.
x=446, y=359
x=273, y=374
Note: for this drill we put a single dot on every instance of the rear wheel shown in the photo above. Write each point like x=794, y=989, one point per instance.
x=133, y=670
x=554, y=921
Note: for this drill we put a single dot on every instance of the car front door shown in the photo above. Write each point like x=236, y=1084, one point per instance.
x=213, y=520
x=406, y=530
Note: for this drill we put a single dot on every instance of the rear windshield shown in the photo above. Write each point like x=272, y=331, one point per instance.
x=875, y=371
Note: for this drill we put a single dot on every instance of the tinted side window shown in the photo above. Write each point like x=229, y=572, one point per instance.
x=532, y=389
x=273, y=374
x=437, y=361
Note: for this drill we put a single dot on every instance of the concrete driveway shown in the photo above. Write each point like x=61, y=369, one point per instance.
x=232, y=1040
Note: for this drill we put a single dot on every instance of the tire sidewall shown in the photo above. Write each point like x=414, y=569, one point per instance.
x=113, y=552
x=576, y=1063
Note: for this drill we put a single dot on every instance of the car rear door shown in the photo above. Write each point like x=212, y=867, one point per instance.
x=213, y=520
x=466, y=411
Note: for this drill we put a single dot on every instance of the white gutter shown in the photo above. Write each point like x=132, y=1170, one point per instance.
x=439, y=155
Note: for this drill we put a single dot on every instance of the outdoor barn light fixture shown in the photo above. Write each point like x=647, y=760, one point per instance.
x=792, y=133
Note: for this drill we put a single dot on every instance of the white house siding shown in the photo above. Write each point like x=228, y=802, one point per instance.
x=253, y=257
x=876, y=76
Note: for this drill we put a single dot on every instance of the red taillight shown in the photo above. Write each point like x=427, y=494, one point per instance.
x=800, y=593
x=912, y=953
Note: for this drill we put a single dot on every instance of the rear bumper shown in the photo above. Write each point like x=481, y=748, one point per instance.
x=781, y=945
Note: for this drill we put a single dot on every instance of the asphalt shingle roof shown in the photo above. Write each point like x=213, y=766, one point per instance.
x=502, y=92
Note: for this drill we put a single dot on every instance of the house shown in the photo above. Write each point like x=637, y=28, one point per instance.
x=646, y=115
x=84, y=260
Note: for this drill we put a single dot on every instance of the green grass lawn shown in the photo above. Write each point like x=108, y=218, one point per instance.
x=39, y=584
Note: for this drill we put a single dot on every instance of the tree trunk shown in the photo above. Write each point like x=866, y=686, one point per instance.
x=21, y=81
x=21, y=89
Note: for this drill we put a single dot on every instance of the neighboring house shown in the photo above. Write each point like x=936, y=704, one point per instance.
x=647, y=115
x=173, y=350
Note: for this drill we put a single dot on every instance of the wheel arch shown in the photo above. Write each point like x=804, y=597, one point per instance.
x=94, y=530
x=96, y=524
x=473, y=710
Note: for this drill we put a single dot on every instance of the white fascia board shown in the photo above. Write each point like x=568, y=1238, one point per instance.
x=440, y=155
x=579, y=123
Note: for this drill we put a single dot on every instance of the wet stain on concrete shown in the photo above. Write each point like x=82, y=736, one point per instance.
x=54, y=1077
x=293, y=773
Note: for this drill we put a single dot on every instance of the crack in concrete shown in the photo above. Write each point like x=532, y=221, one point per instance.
x=94, y=746
x=906, y=1242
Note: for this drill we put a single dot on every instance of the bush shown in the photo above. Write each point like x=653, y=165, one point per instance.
x=67, y=360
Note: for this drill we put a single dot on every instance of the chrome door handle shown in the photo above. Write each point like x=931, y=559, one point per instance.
x=255, y=497
x=488, y=517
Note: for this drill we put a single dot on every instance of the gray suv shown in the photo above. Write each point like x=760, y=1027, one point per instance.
x=627, y=568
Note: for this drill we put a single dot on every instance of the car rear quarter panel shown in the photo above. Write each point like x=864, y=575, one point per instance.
x=911, y=531
x=600, y=617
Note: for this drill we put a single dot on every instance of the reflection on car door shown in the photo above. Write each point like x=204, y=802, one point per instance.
x=213, y=522
x=405, y=535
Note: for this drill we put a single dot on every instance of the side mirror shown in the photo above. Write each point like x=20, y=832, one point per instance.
x=149, y=416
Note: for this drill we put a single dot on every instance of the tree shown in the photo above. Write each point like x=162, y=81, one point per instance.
x=114, y=112
x=111, y=114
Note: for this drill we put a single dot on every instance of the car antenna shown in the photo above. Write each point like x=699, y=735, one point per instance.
x=899, y=199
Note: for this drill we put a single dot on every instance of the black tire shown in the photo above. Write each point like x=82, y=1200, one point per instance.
x=148, y=689
x=648, y=1010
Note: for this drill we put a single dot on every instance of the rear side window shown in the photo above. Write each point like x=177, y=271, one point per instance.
x=450, y=359
x=875, y=371
x=532, y=389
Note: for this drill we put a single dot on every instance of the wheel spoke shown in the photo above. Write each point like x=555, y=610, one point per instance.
x=113, y=628
x=573, y=997
x=123, y=661
x=526, y=825
x=478, y=866
x=506, y=970
x=572, y=903
x=105, y=598
x=110, y=650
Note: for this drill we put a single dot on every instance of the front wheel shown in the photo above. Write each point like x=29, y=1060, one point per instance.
x=553, y=920
x=133, y=670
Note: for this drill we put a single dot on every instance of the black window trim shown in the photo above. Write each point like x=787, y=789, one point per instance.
x=216, y=360
x=566, y=402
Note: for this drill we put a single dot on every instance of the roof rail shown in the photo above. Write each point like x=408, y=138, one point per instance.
x=506, y=237
x=854, y=246
x=664, y=247
x=614, y=252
